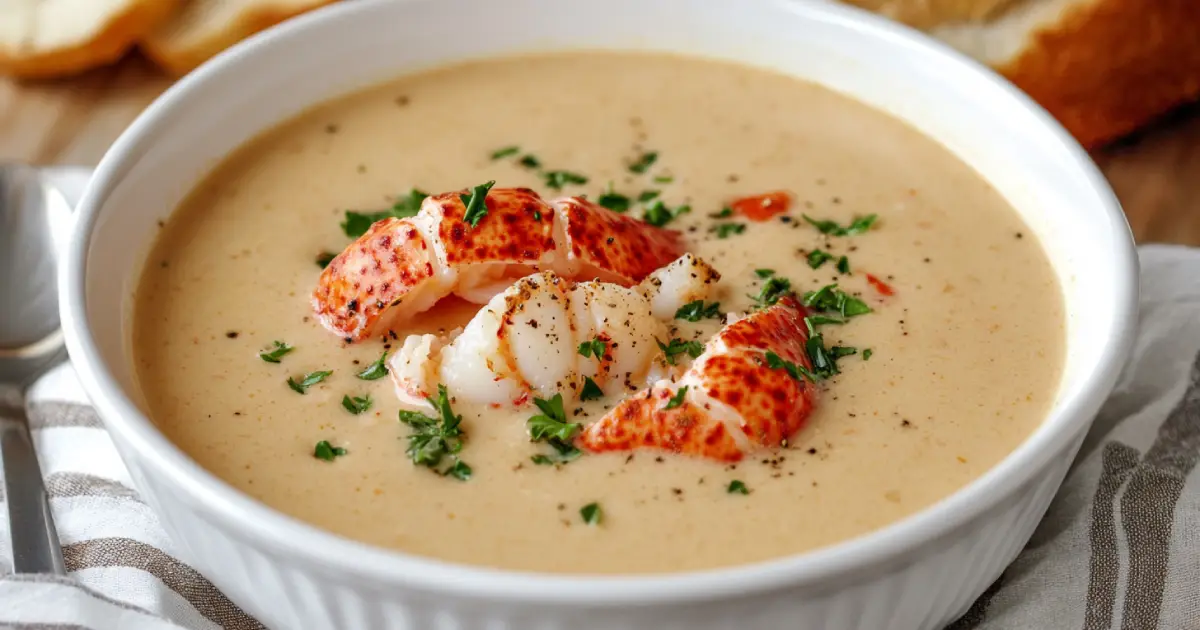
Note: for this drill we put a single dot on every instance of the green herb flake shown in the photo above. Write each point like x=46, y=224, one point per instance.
x=357, y=223
x=530, y=161
x=697, y=310
x=725, y=230
x=500, y=154
x=663, y=179
x=596, y=347
x=376, y=370
x=591, y=513
x=658, y=214
x=676, y=347
x=558, y=179
x=476, y=203
x=764, y=273
x=866, y=355
x=644, y=162
x=434, y=439
x=541, y=460
x=818, y=257
x=648, y=195
x=356, y=405
x=590, y=391
x=773, y=289
x=737, y=487
x=552, y=423
x=677, y=399
x=276, y=353
x=843, y=265
x=308, y=380
x=327, y=452
x=324, y=258
x=858, y=226
x=842, y=351
x=614, y=201
x=725, y=213
x=831, y=298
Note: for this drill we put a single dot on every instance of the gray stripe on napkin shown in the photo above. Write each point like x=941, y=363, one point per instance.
x=1117, y=462
x=45, y=578
x=48, y=415
x=1148, y=506
x=73, y=484
x=42, y=626
x=184, y=580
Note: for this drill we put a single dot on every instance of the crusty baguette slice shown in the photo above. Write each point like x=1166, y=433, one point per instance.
x=206, y=27
x=54, y=38
x=1102, y=67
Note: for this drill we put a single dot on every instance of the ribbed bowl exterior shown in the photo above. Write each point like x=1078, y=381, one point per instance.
x=926, y=591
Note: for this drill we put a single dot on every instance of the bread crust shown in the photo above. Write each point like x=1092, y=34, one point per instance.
x=1107, y=68
x=109, y=43
x=179, y=59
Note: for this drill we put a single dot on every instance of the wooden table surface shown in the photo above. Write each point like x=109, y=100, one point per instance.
x=1156, y=173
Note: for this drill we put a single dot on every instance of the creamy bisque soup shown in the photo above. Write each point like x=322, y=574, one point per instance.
x=964, y=358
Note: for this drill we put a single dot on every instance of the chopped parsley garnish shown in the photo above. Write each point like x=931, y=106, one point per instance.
x=675, y=347
x=614, y=201
x=842, y=351
x=564, y=454
x=590, y=391
x=773, y=289
x=831, y=298
x=867, y=354
x=824, y=361
x=326, y=451
x=324, y=258
x=643, y=163
x=476, y=203
x=857, y=226
x=764, y=273
x=356, y=405
x=500, y=154
x=530, y=161
x=737, y=487
x=591, y=513
x=376, y=370
x=357, y=223
x=552, y=423
x=537, y=215
x=596, y=347
x=725, y=230
x=308, y=380
x=843, y=265
x=278, y=351
x=659, y=214
x=663, y=179
x=558, y=179
x=725, y=213
x=819, y=320
x=435, y=439
x=541, y=460
x=697, y=310
x=775, y=362
x=648, y=195
x=818, y=257
x=677, y=399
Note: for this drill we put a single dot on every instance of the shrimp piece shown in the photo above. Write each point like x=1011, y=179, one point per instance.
x=729, y=403
x=525, y=341
x=402, y=267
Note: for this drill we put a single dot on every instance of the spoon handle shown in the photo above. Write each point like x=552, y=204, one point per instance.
x=35, y=546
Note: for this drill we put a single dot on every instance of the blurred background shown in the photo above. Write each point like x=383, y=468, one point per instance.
x=1122, y=76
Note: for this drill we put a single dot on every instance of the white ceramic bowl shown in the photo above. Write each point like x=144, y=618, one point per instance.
x=919, y=573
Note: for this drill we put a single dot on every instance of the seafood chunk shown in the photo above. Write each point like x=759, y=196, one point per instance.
x=526, y=340
x=401, y=267
x=729, y=403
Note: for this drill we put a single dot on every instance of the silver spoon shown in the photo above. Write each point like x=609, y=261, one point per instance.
x=35, y=218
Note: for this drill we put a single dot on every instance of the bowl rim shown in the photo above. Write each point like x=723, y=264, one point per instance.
x=282, y=535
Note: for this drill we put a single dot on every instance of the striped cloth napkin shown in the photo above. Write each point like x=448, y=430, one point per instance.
x=1119, y=548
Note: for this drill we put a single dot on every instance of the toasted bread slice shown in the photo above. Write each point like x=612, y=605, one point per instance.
x=1102, y=67
x=206, y=27
x=54, y=38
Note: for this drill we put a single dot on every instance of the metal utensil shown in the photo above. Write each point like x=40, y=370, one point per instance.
x=34, y=220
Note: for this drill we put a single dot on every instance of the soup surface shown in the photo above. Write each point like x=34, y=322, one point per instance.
x=964, y=358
